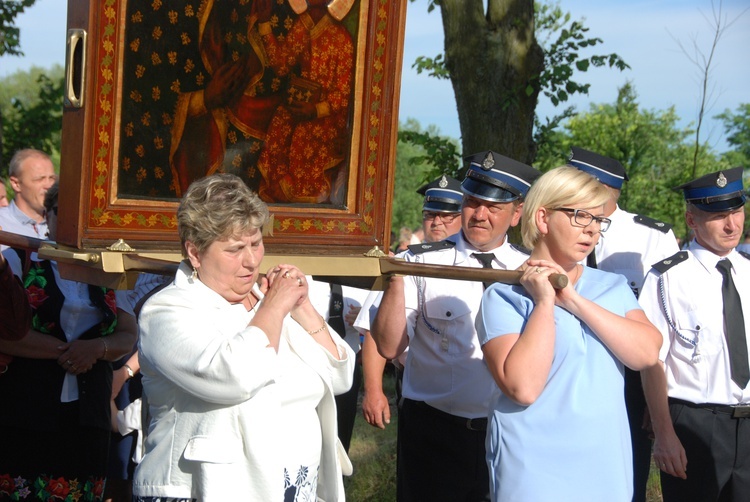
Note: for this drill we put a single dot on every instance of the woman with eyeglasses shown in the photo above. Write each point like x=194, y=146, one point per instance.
x=559, y=430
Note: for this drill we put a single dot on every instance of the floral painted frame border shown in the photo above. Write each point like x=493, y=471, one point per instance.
x=93, y=216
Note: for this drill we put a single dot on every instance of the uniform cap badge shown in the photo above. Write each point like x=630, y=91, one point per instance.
x=721, y=181
x=443, y=182
x=488, y=162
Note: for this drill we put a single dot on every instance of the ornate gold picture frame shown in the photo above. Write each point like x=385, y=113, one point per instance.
x=303, y=106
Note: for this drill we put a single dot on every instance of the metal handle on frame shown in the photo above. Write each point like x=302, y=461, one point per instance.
x=75, y=67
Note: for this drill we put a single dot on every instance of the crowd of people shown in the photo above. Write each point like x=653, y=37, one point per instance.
x=230, y=382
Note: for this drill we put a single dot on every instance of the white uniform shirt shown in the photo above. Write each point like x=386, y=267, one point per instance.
x=696, y=357
x=14, y=220
x=320, y=297
x=631, y=248
x=367, y=315
x=368, y=311
x=444, y=365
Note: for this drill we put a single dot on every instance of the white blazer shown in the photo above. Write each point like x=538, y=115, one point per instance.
x=209, y=381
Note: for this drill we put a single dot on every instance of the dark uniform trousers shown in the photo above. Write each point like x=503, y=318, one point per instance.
x=717, y=446
x=441, y=457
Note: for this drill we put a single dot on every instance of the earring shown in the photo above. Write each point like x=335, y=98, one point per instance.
x=194, y=275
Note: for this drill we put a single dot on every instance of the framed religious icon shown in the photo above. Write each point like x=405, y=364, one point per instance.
x=299, y=98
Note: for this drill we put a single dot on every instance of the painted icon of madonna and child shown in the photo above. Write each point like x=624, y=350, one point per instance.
x=258, y=88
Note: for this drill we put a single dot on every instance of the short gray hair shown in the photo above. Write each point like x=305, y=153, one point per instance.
x=218, y=207
x=14, y=169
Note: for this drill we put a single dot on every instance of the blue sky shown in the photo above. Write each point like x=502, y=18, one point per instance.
x=645, y=33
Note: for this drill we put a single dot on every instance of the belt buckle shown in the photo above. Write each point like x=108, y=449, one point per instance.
x=470, y=425
x=741, y=411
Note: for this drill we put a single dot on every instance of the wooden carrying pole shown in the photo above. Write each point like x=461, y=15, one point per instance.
x=20, y=241
x=397, y=266
x=365, y=276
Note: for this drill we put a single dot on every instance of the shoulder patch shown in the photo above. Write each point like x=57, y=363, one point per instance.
x=652, y=223
x=670, y=262
x=743, y=253
x=520, y=249
x=430, y=246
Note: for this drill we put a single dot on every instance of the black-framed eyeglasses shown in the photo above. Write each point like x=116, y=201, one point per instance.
x=444, y=217
x=584, y=218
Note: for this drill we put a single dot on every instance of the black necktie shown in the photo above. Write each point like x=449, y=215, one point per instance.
x=734, y=321
x=486, y=260
x=336, y=310
x=591, y=259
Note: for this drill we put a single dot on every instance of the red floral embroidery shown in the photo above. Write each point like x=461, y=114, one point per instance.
x=99, y=488
x=109, y=299
x=7, y=485
x=58, y=488
x=36, y=295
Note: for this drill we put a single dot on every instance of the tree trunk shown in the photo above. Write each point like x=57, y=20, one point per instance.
x=494, y=110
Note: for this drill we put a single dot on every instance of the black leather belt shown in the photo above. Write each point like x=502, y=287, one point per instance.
x=733, y=410
x=473, y=424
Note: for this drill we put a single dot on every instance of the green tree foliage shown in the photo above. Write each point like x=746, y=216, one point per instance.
x=9, y=32
x=10, y=42
x=515, y=50
x=31, y=104
x=737, y=129
x=651, y=146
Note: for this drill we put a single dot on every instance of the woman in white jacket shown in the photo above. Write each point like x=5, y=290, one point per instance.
x=239, y=375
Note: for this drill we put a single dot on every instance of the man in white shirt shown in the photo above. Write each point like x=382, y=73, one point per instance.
x=441, y=218
x=31, y=175
x=447, y=387
x=698, y=394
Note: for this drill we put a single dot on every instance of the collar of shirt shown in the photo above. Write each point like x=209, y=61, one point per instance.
x=464, y=250
x=619, y=214
x=17, y=221
x=22, y=217
x=709, y=259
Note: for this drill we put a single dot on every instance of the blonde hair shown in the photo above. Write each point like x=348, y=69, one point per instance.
x=563, y=186
x=218, y=207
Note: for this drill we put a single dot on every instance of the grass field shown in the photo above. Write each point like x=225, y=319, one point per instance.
x=373, y=454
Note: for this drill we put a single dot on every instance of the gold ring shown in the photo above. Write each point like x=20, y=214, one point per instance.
x=286, y=275
x=299, y=281
x=538, y=270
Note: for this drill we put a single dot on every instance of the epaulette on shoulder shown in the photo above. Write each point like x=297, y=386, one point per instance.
x=520, y=249
x=743, y=253
x=652, y=223
x=670, y=262
x=431, y=246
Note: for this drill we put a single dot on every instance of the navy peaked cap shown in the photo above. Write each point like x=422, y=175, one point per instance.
x=442, y=195
x=606, y=169
x=497, y=178
x=716, y=192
